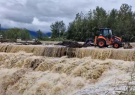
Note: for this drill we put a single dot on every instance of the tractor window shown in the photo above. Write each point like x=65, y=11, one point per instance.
x=110, y=32
x=106, y=32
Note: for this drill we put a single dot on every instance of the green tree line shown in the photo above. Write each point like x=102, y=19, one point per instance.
x=16, y=33
x=84, y=26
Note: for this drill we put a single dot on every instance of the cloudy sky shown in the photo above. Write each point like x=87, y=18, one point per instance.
x=39, y=14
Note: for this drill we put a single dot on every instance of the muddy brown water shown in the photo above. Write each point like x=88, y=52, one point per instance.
x=59, y=51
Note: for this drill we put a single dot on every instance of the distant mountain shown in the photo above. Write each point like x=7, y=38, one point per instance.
x=49, y=34
x=4, y=29
x=32, y=33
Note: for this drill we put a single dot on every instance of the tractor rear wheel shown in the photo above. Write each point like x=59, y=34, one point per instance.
x=101, y=43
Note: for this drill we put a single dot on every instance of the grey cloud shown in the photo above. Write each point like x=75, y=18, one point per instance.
x=22, y=13
x=22, y=19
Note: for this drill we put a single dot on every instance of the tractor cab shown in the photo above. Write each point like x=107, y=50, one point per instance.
x=105, y=32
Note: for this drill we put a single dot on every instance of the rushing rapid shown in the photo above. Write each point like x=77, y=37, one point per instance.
x=59, y=51
x=26, y=74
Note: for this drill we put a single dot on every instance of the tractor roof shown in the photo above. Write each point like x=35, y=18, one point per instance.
x=104, y=28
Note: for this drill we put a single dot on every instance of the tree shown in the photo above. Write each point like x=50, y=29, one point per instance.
x=99, y=17
x=58, y=29
x=45, y=37
x=25, y=34
x=39, y=34
x=124, y=22
x=71, y=31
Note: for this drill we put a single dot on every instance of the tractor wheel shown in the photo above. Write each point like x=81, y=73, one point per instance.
x=116, y=45
x=101, y=43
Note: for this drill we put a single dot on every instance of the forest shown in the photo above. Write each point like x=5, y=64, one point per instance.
x=84, y=26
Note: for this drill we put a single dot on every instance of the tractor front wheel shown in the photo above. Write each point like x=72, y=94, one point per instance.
x=116, y=45
x=101, y=43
